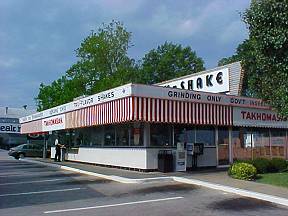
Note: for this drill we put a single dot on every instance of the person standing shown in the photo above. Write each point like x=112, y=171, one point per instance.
x=58, y=150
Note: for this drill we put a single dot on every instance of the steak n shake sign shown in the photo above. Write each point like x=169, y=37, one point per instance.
x=214, y=82
x=54, y=123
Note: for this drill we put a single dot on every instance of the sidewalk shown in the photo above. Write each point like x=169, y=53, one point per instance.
x=222, y=178
x=214, y=179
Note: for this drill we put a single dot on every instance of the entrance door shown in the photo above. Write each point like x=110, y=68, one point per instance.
x=223, y=146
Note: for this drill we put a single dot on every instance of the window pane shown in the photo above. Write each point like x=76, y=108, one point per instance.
x=161, y=135
x=278, y=143
x=109, y=136
x=241, y=143
x=205, y=135
x=260, y=142
x=223, y=146
x=184, y=134
x=136, y=134
x=122, y=135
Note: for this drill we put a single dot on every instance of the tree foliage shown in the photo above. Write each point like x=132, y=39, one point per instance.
x=264, y=55
x=103, y=58
x=245, y=54
x=169, y=61
x=267, y=21
x=103, y=64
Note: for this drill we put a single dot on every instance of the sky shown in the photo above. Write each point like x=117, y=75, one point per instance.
x=38, y=38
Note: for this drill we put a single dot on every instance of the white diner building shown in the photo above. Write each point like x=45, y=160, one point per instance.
x=128, y=125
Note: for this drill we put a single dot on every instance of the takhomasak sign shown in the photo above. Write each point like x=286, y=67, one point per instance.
x=256, y=117
x=54, y=123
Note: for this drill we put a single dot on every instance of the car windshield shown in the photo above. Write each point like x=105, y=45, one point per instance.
x=20, y=146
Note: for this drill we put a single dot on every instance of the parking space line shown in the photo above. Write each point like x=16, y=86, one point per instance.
x=30, y=182
x=3, y=175
x=114, y=205
x=41, y=192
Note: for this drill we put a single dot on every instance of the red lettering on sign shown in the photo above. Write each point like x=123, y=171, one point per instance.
x=53, y=122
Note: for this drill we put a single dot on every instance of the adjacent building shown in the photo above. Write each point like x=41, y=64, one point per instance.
x=10, y=127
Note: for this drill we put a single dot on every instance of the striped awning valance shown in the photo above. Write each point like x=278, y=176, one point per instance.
x=171, y=111
x=143, y=109
x=150, y=110
x=107, y=113
x=31, y=127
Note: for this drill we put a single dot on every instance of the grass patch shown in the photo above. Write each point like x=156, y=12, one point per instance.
x=277, y=179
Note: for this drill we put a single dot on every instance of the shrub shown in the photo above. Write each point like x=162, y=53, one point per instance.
x=243, y=161
x=278, y=164
x=262, y=165
x=244, y=171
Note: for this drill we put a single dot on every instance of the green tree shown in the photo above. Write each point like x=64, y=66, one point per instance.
x=169, y=61
x=60, y=91
x=245, y=54
x=103, y=63
x=267, y=21
x=103, y=59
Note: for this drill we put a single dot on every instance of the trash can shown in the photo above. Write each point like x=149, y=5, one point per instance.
x=165, y=161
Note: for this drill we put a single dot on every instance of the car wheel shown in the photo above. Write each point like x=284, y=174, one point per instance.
x=21, y=156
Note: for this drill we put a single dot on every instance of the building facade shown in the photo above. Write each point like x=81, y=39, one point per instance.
x=10, y=135
x=127, y=126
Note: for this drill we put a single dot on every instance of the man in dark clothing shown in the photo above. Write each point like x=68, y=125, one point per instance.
x=58, y=150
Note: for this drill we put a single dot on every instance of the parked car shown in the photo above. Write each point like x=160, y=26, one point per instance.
x=26, y=150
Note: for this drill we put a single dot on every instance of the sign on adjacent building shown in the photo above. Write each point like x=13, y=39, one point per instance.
x=10, y=128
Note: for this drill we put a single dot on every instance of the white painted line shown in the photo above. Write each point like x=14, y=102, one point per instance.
x=30, y=182
x=241, y=192
x=3, y=175
x=114, y=205
x=41, y=192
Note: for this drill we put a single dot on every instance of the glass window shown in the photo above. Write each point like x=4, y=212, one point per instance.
x=109, y=136
x=260, y=142
x=184, y=133
x=25, y=147
x=161, y=135
x=136, y=134
x=122, y=135
x=278, y=143
x=205, y=135
x=97, y=135
x=223, y=146
x=241, y=144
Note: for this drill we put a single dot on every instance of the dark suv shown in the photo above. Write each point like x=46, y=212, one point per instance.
x=26, y=150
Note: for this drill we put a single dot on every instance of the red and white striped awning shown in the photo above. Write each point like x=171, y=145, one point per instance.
x=146, y=110
x=107, y=113
x=150, y=110
x=31, y=127
x=172, y=111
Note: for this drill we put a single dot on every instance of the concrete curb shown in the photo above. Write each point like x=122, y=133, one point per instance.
x=238, y=191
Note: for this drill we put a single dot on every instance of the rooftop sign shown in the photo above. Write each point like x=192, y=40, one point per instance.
x=224, y=79
x=214, y=82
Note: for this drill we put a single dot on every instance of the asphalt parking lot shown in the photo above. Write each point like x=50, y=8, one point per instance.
x=32, y=189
